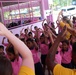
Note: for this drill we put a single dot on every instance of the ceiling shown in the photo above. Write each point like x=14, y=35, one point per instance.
x=12, y=2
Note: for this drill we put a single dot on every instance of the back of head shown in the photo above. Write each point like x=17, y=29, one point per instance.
x=65, y=41
x=5, y=66
x=1, y=47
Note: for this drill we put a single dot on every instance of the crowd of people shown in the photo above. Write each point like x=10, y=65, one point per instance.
x=34, y=51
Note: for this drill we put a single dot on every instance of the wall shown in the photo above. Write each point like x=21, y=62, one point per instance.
x=17, y=30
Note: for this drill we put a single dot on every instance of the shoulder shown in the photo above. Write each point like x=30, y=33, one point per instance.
x=24, y=70
x=60, y=70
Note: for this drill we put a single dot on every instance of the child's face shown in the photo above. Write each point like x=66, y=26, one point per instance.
x=42, y=39
x=29, y=44
x=11, y=56
x=64, y=46
x=26, y=31
x=1, y=50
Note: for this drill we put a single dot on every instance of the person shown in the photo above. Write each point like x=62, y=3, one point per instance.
x=2, y=50
x=34, y=49
x=64, y=21
x=66, y=54
x=3, y=41
x=14, y=58
x=57, y=69
x=27, y=67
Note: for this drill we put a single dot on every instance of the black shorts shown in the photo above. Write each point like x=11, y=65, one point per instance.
x=38, y=69
x=43, y=59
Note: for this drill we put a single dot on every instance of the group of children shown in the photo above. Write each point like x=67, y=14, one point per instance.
x=39, y=42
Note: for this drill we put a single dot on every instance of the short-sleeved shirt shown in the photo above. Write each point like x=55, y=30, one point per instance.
x=24, y=70
x=60, y=70
x=67, y=56
x=62, y=24
x=44, y=49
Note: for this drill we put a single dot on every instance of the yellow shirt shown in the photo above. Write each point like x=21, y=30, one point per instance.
x=62, y=24
x=60, y=70
x=26, y=71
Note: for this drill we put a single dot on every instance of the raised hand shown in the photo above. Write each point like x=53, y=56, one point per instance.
x=3, y=30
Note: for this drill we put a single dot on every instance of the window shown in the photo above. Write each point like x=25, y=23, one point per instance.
x=70, y=9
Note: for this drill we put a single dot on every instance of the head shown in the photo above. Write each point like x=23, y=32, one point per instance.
x=30, y=34
x=30, y=43
x=11, y=53
x=26, y=31
x=17, y=35
x=1, y=49
x=42, y=38
x=46, y=26
x=36, y=28
x=65, y=45
x=52, y=24
x=65, y=19
x=74, y=52
x=5, y=66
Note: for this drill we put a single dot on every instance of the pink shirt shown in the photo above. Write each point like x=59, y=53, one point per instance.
x=58, y=57
x=44, y=49
x=5, y=44
x=16, y=65
x=23, y=36
x=37, y=33
x=35, y=56
x=67, y=56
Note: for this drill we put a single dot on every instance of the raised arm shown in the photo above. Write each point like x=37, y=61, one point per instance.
x=60, y=14
x=21, y=31
x=18, y=45
x=51, y=54
x=3, y=40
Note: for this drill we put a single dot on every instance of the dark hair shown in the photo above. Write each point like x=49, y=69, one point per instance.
x=64, y=18
x=65, y=41
x=45, y=24
x=35, y=27
x=17, y=35
x=22, y=39
x=11, y=49
x=74, y=47
x=42, y=35
x=30, y=33
x=1, y=47
x=25, y=30
x=5, y=66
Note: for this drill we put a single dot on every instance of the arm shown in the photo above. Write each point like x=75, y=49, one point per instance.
x=51, y=54
x=18, y=45
x=35, y=44
x=21, y=31
x=60, y=14
x=3, y=40
x=43, y=23
x=50, y=35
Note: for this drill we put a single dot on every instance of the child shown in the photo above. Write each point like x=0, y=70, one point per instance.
x=34, y=49
x=2, y=50
x=25, y=34
x=66, y=54
x=27, y=67
x=44, y=50
x=15, y=59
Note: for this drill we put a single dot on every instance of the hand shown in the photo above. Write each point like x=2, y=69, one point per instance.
x=3, y=30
